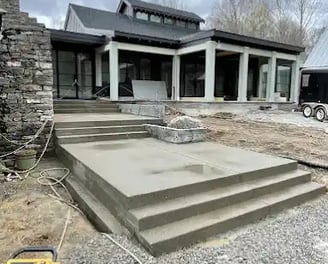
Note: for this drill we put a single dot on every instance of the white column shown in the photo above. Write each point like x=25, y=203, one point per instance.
x=176, y=78
x=98, y=70
x=260, y=82
x=295, y=82
x=243, y=76
x=272, y=72
x=210, y=70
x=114, y=71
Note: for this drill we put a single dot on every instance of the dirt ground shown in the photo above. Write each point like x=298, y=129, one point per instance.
x=29, y=217
x=280, y=139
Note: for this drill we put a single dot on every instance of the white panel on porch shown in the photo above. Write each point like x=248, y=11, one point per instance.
x=149, y=90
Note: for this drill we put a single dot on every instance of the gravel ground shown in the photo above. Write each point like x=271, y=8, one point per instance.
x=297, y=236
x=284, y=117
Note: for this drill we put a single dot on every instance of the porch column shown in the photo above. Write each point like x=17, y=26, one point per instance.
x=210, y=70
x=114, y=71
x=98, y=70
x=243, y=76
x=272, y=72
x=176, y=78
x=295, y=82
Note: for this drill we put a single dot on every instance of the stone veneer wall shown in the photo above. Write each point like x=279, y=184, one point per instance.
x=26, y=77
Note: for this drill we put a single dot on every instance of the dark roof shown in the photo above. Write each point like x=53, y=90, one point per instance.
x=138, y=4
x=238, y=39
x=77, y=38
x=105, y=20
x=131, y=29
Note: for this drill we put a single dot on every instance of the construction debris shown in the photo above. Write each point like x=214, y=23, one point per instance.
x=185, y=122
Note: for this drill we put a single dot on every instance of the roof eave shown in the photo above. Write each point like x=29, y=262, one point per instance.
x=165, y=41
x=219, y=35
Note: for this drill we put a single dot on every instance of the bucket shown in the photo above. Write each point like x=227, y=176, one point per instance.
x=25, y=159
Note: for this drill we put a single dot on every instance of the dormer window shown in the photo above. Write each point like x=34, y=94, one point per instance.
x=142, y=15
x=181, y=23
x=192, y=25
x=155, y=18
x=168, y=21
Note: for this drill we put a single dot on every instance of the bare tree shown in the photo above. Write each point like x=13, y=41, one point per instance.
x=229, y=15
x=305, y=13
x=289, y=21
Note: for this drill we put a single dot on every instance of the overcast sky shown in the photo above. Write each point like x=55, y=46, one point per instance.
x=52, y=12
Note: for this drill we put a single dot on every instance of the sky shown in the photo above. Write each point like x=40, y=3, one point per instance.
x=53, y=12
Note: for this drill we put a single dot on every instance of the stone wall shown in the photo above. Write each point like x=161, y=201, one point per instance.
x=26, y=78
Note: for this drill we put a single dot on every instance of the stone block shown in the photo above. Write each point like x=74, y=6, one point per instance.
x=177, y=136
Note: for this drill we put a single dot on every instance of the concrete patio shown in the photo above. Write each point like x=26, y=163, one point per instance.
x=170, y=196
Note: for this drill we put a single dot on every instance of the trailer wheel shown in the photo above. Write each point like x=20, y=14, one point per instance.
x=307, y=111
x=320, y=114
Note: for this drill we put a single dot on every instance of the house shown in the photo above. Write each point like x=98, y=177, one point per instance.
x=315, y=73
x=143, y=47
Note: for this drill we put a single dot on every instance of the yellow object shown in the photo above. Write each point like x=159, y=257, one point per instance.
x=35, y=250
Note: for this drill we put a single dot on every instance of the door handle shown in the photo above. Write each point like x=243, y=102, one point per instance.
x=75, y=83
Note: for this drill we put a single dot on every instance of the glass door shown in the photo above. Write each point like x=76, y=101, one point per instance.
x=66, y=75
x=74, y=72
x=84, y=76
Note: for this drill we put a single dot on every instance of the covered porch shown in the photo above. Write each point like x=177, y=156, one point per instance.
x=214, y=67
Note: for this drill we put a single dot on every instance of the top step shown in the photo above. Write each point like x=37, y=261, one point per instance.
x=63, y=102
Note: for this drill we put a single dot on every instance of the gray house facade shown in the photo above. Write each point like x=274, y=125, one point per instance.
x=142, y=48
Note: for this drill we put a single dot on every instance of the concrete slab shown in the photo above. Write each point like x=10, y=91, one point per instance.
x=80, y=117
x=137, y=167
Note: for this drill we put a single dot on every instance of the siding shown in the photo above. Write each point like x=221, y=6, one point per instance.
x=74, y=24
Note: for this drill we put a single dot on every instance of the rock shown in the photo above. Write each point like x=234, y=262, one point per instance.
x=185, y=122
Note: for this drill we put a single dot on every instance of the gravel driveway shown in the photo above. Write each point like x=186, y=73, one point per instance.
x=284, y=117
x=297, y=236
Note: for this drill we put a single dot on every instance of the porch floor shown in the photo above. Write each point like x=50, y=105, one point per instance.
x=143, y=166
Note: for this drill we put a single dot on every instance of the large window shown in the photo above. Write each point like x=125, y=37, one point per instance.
x=227, y=75
x=143, y=66
x=283, y=81
x=193, y=75
x=257, y=78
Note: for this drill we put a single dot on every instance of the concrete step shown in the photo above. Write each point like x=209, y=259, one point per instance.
x=101, y=188
x=98, y=130
x=176, y=209
x=86, y=110
x=182, y=233
x=125, y=122
x=100, y=137
x=96, y=212
x=87, y=106
x=84, y=102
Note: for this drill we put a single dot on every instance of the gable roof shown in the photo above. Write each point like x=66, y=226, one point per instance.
x=318, y=57
x=105, y=20
x=155, y=8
